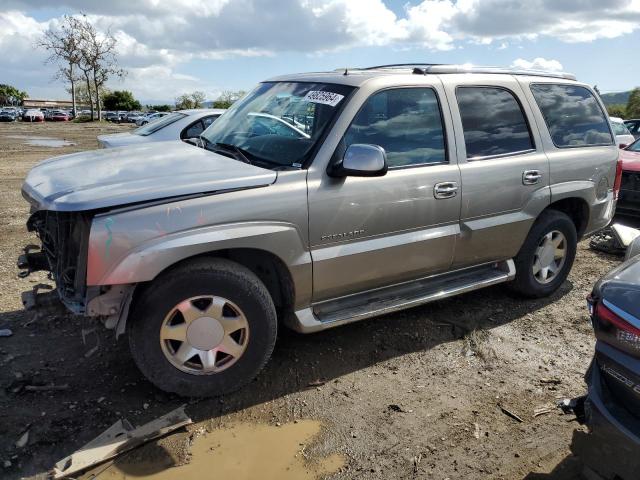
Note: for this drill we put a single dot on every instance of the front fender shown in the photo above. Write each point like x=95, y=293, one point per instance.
x=146, y=260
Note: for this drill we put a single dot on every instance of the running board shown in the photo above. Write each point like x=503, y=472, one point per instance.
x=384, y=300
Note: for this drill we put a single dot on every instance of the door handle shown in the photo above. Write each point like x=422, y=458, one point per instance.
x=531, y=177
x=445, y=190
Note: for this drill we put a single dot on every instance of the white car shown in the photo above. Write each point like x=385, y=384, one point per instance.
x=33, y=115
x=624, y=137
x=178, y=125
x=150, y=117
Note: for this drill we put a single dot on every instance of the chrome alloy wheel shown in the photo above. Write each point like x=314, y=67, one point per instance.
x=204, y=335
x=549, y=257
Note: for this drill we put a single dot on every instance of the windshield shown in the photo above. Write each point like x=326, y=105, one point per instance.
x=279, y=122
x=156, y=124
x=620, y=128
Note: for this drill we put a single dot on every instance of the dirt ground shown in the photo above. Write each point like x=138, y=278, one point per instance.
x=415, y=394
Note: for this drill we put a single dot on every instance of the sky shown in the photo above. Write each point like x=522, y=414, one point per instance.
x=171, y=47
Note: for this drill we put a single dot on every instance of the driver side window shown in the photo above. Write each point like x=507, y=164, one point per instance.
x=406, y=122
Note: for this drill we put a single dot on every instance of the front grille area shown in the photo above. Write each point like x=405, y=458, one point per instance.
x=629, y=201
x=64, y=237
x=630, y=181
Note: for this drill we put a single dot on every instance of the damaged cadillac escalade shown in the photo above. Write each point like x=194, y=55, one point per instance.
x=322, y=199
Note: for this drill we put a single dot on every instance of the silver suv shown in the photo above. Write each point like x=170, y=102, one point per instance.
x=321, y=199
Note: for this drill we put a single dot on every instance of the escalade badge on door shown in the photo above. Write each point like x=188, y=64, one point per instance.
x=340, y=236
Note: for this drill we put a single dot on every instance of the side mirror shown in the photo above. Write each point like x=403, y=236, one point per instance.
x=361, y=160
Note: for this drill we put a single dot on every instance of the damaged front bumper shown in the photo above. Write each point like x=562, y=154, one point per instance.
x=64, y=238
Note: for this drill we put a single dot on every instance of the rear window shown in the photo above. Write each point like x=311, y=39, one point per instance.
x=573, y=116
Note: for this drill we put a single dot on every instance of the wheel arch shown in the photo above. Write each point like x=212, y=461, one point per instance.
x=576, y=208
x=268, y=267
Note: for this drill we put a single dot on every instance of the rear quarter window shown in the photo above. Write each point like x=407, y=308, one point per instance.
x=573, y=116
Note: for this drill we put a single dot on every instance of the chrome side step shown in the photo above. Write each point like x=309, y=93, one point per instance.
x=399, y=297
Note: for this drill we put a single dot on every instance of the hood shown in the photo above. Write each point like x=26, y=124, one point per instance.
x=121, y=139
x=630, y=160
x=126, y=175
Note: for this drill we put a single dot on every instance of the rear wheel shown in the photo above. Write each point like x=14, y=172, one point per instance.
x=546, y=258
x=204, y=329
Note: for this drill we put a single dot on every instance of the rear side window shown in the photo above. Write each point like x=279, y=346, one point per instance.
x=406, y=122
x=572, y=114
x=493, y=122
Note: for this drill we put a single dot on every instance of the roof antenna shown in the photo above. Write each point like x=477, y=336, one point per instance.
x=346, y=71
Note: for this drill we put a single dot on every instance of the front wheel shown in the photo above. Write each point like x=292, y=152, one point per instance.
x=204, y=329
x=547, y=255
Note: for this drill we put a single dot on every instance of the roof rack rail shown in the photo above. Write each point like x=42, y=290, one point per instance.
x=441, y=68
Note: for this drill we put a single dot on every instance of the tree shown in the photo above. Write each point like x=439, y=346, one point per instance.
x=190, y=100
x=98, y=58
x=159, y=108
x=633, y=104
x=616, y=110
x=228, y=98
x=63, y=45
x=10, y=95
x=120, y=100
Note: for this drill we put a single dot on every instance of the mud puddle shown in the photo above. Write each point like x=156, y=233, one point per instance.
x=241, y=451
x=42, y=141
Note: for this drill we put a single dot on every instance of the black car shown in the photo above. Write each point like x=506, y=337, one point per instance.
x=7, y=116
x=612, y=406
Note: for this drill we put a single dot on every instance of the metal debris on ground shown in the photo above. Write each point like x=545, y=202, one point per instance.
x=5, y=332
x=316, y=383
x=23, y=440
x=543, y=410
x=45, y=388
x=510, y=414
x=614, y=239
x=118, y=439
x=573, y=406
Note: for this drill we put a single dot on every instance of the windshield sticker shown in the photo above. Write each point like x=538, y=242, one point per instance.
x=326, y=98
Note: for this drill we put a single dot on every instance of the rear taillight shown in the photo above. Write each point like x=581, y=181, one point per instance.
x=608, y=315
x=618, y=181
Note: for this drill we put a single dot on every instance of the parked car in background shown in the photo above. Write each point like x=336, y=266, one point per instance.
x=131, y=117
x=264, y=124
x=150, y=117
x=33, y=115
x=629, y=201
x=612, y=406
x=59, y=116
x=622, y=133
x=179, y=125
x=111, y=116
x=634, y=127
x=7, y=116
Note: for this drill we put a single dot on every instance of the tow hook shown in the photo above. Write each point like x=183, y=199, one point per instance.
x=32, y=260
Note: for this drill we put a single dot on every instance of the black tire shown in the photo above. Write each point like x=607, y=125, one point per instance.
x=525, y=283
x=208, y=276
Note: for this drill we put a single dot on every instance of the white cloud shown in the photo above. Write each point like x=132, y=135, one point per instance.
x=538, y=64
x=157, y=37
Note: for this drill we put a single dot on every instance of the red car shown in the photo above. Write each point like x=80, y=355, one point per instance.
x=629, y=200
x=59, y=116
